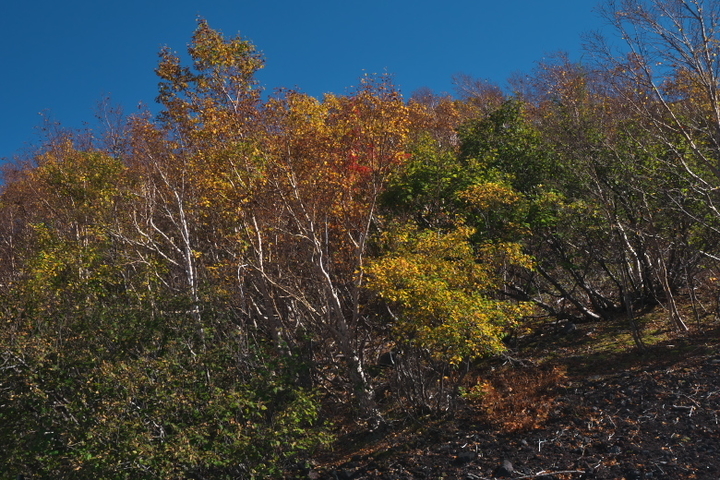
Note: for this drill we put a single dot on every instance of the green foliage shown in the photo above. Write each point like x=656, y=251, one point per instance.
x=505, y=142
x=103, y=382
x=168, y=414
x=495, y=182
x=425, y=189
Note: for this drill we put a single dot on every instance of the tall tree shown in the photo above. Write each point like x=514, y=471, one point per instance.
x=327, y=164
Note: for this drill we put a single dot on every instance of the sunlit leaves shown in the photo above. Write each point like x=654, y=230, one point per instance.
x=216, y=97
x=444, y=295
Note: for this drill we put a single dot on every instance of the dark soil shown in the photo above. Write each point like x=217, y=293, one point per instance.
x=599, y=413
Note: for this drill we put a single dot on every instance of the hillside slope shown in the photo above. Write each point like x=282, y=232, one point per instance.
x=584, y=406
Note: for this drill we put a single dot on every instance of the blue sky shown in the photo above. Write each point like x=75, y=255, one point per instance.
x=62, y=57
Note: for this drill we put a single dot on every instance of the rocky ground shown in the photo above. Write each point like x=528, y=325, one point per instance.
x=568, y=410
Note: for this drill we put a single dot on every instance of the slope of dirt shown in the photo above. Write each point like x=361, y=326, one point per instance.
x=577, y=408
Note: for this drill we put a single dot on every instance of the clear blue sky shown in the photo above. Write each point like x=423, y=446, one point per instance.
x=61, y=57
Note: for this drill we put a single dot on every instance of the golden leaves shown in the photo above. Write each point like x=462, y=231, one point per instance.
x=444, y=294
x=490, y=195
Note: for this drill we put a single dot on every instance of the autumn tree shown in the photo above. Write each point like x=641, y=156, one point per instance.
x=442, y=293
x=327, y=164
x=282, y=199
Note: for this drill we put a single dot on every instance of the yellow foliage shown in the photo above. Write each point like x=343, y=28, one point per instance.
x=444, y=294
x=489, y=195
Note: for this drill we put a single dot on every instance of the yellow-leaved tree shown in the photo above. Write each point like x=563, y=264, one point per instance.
x=443, y=291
